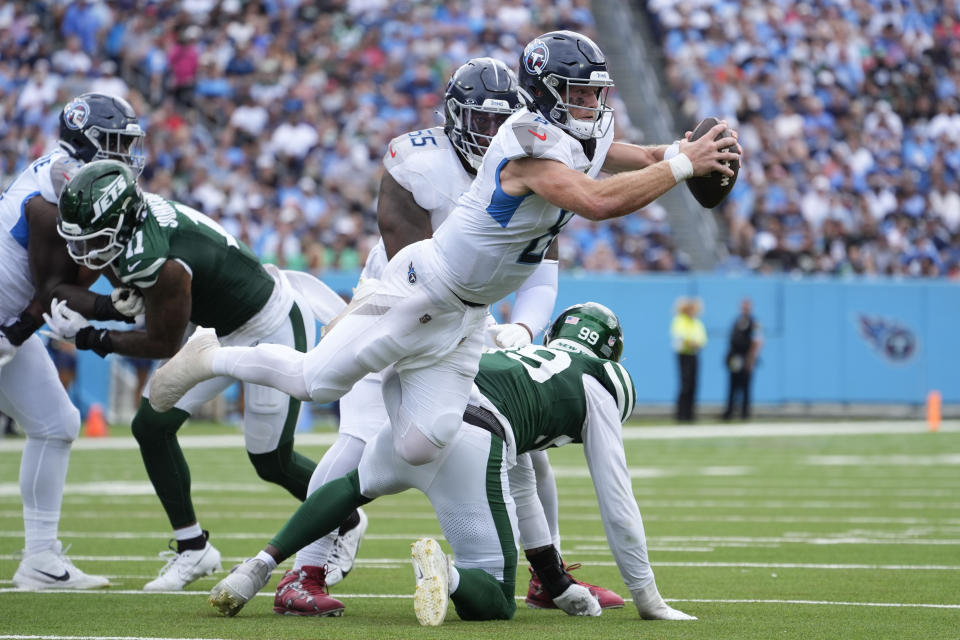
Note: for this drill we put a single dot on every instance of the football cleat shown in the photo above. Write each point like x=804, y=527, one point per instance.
x=650, y=605
x=431, y=568
x=230, y=594
x=183, y=568
x=187, y=368
x=538, y=598
x=345, y=549
x=578, y=600
x=52, y=569
x=303, y=592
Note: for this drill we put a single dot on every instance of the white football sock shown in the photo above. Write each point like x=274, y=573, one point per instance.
x=43, y=472
x=339, y=460
x=267, y=559
x=188, y=533
x=270, y=365
x=454, y=580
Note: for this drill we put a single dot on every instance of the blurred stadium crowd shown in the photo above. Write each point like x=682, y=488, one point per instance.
x=273, y=116
x=849, y=112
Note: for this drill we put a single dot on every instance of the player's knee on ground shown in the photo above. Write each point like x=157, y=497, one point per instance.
x=285, y=467
x=481, y=597
x=151, y=428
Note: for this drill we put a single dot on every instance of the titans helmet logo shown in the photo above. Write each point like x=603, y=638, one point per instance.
x=889, y=338
x=535, y=57
x=75, y=114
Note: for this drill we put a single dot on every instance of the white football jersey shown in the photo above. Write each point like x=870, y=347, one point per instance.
x=44, y=177
x=425, y=164
x=493, y=241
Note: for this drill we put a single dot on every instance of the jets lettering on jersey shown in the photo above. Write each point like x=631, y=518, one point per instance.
x=106, y=200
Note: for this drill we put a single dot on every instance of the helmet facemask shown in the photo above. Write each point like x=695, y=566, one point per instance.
x=95, y=126
x=100, y=207
x=593, y=121
x=474, y=126
x=123, y=145
x=96, y=249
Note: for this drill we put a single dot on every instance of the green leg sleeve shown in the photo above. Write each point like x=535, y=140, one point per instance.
x=481, y=597
x=320, y=514
x=285, y=467
x=156, y=433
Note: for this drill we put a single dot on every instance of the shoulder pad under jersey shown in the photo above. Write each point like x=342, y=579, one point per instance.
x=425, y=164
x=532, y=136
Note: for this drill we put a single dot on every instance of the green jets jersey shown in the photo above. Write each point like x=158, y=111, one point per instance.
x=540, y=391
x=229, y=284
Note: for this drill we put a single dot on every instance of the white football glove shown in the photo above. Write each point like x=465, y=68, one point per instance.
x=127, y=301
x=507, y=336
x=63, y=321
x=7, y=349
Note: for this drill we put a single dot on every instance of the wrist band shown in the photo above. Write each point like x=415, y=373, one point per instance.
x=94, y=339
x=681, y=167
x=672, y=150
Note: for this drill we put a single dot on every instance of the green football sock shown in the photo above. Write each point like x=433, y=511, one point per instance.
x=481, y=597
x=320, y=514
x=285, y=467
x=156, y=433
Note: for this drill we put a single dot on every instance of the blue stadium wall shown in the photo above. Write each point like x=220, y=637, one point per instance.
x=826, y=341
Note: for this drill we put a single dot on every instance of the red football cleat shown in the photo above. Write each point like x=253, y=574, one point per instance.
x=304, y=593
x=538, y=598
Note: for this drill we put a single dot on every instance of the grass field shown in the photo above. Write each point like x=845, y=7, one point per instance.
x=760, y=536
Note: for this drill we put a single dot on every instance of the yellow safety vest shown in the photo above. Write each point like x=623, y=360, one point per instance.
x=688, y=334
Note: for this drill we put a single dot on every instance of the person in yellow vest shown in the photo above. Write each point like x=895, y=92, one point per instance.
x=688, y=337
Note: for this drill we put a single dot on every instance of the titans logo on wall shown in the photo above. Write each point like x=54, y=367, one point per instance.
x=76, y=113
x=535, y=57
x=892, y=340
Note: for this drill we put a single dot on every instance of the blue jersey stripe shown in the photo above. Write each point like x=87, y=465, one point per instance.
x=503, y=205
x=19, y=231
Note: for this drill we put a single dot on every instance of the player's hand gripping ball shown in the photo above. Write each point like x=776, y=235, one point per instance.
x=710, y=190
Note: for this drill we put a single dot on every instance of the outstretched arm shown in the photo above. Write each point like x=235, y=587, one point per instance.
x=603, y=447
x=623, y=193
x=624, y=156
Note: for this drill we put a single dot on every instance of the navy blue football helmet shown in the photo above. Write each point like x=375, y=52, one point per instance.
x=557, y=62
x=96, y=126
x=480, y=96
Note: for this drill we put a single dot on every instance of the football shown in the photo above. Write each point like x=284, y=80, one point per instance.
x=710, y=190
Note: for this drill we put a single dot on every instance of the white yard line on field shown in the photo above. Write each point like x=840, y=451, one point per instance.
x=391, y=596
x=96, y=638
x=752, y=430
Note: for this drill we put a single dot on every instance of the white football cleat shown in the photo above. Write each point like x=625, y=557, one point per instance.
x=431, y=567
x=188, y=367
x=650, y=605
x=345, y=550
x=578, y=601
x=185, y=567
x=52, y=569
x=234, y=591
